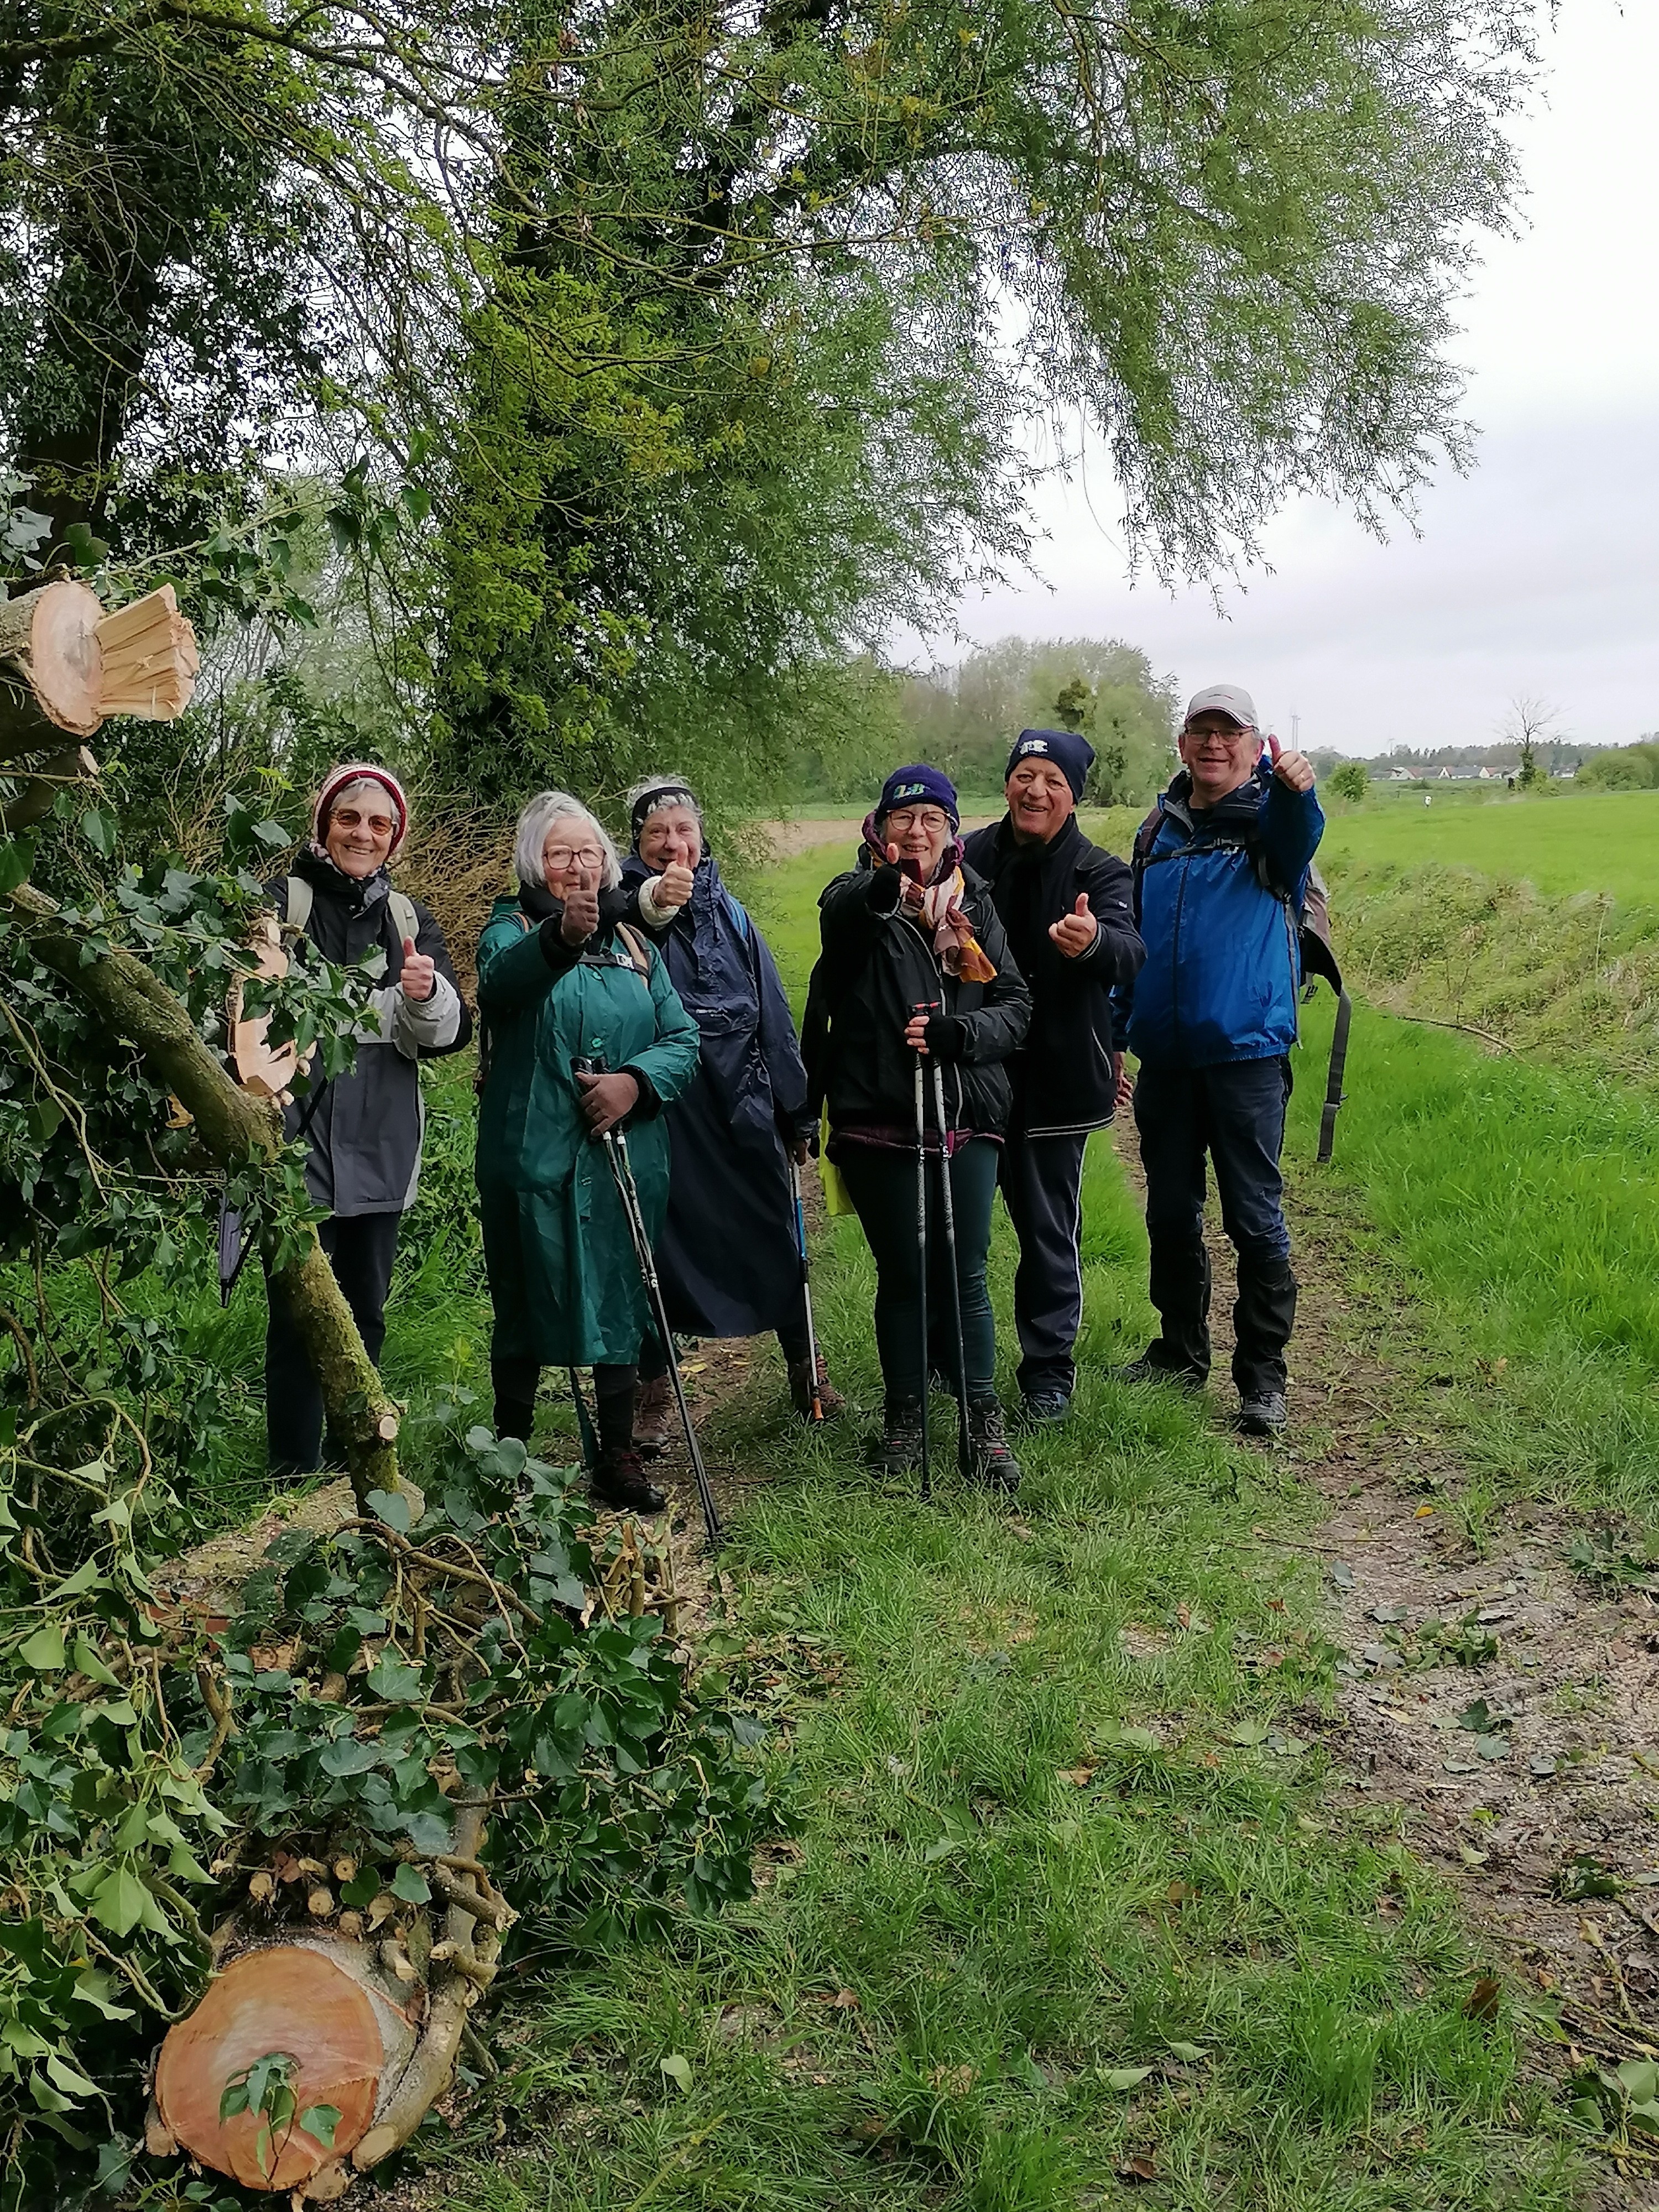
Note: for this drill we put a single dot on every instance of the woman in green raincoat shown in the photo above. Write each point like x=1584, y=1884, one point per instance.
x=558, y=982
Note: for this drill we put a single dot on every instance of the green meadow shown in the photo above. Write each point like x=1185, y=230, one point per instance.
x=1066, y=1910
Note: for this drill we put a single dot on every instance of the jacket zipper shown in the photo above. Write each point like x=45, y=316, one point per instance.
x=1174, y=954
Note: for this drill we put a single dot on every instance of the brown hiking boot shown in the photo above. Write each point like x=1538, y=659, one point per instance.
x=619, y=1482
x=654, y=1417
x=800, y=1391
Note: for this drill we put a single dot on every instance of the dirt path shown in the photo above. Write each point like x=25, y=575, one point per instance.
x=1503, y=1699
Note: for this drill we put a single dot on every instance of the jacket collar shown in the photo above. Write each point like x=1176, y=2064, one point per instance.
x=1237, y=811
x=354, y=893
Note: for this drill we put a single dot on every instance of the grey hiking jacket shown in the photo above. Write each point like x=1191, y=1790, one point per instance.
x=363, y=1136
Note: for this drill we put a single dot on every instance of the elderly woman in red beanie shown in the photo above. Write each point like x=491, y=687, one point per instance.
x=362, y=1127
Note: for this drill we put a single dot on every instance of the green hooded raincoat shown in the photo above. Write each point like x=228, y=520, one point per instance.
x=563, y=1277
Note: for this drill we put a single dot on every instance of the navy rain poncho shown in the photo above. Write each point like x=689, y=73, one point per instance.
x=727, y=1255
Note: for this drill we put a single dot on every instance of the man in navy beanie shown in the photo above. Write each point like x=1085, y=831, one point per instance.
x=1065, y=907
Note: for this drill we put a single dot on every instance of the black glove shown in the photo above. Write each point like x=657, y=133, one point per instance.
x=946, y=1037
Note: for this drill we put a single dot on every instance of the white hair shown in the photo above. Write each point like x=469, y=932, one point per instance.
x=671, y=790
x=546, y=808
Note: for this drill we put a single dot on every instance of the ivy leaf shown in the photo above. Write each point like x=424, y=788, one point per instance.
x=1125, y=2077
x=391, y=1507
x=16, y=859
x=394, y=1679
x=677, y=2068
x=411, y=1885
x=319, y=2122
x=119, y=1900
x=44, y=1650
x=99, y=831
x=87, y=1663
x=348, y=1756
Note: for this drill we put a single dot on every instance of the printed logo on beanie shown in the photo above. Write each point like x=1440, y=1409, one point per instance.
x=1031, y=745
x=910, y=791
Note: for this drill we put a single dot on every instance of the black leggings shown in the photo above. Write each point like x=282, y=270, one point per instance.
x=881, y=1185
x=615, y=1391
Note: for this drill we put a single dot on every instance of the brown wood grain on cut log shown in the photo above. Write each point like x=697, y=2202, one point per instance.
x=52, y=668
x=286, y=1998
x=150, y=658
x=267, y=1073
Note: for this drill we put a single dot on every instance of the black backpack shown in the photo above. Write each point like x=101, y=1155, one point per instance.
x=1313, y=920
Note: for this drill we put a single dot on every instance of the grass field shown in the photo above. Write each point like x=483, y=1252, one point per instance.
x=1067, y=1910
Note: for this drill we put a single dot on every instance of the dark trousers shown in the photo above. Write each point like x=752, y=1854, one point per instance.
x=882, y=1186
x=1042, y=1179
x=361, y=1249
x=1235, y=1113
x=615, y=1392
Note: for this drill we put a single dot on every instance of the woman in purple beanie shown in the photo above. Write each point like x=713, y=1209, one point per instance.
x=915, y=965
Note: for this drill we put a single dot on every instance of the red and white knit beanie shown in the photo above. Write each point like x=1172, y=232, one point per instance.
x=360, y=772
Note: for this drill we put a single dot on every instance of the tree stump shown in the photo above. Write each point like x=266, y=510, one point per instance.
x=323, y=2002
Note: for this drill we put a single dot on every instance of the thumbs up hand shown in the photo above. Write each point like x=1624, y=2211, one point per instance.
x=419, y=978
x=1076, y=932
x=581, y=908
x=1294, y=769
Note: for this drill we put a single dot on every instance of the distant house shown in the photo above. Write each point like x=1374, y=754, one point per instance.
x=1400, y=776
x=1444, y=776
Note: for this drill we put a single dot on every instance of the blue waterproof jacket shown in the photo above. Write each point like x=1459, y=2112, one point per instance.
x=1217, y=891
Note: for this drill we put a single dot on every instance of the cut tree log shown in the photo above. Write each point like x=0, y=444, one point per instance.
x=150, y=658
x=51, y=667
x=321, y=2003
x=66, y=666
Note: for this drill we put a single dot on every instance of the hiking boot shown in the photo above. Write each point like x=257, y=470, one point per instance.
x=899, y=1449
x=654, y=1417
x=830, y=1401
x=1045, y=1409
x=1264, y=1415
x=994, y=1465
x=619, y=1482
x=1148, y=1370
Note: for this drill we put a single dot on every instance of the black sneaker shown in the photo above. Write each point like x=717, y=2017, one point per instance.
x=1265, y=1415
x=994, y=1465
x=898, y=1448
x=619, y=1482
x=1045, y=1409
x=1148, y=1370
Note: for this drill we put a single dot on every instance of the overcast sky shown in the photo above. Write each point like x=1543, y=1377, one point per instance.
x=1535, y=574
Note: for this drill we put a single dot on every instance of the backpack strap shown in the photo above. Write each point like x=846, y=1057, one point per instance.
x=300, y=897
x=481, y=1065
x=403, y=913
x=1334, y=1093
x=639, y=952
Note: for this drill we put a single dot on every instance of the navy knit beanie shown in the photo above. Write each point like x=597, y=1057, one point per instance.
x=919, y=786
x=1073, y=756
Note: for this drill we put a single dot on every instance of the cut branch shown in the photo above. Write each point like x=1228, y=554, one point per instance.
x=51, y=670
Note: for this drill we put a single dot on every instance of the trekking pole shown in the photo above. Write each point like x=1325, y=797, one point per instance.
x=921, y=1260
x=621, y=1172
x=815, y=1398
x=964, y=1440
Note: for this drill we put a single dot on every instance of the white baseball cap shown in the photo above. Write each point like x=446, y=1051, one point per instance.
x=1224, y=699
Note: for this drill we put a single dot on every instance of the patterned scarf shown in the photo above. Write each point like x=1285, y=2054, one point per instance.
x=936, y=908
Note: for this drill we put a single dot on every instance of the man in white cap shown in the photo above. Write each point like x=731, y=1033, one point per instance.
x=1220, y=869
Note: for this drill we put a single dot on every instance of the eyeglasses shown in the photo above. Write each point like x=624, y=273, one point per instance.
x=555, y=859
x=903, y=819
x=347, y=818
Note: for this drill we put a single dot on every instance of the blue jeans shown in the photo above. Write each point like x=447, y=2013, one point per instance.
x=1236, y=1113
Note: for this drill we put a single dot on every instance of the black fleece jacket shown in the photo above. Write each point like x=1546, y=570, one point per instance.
x=877, y=968
x=1062, y=1073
